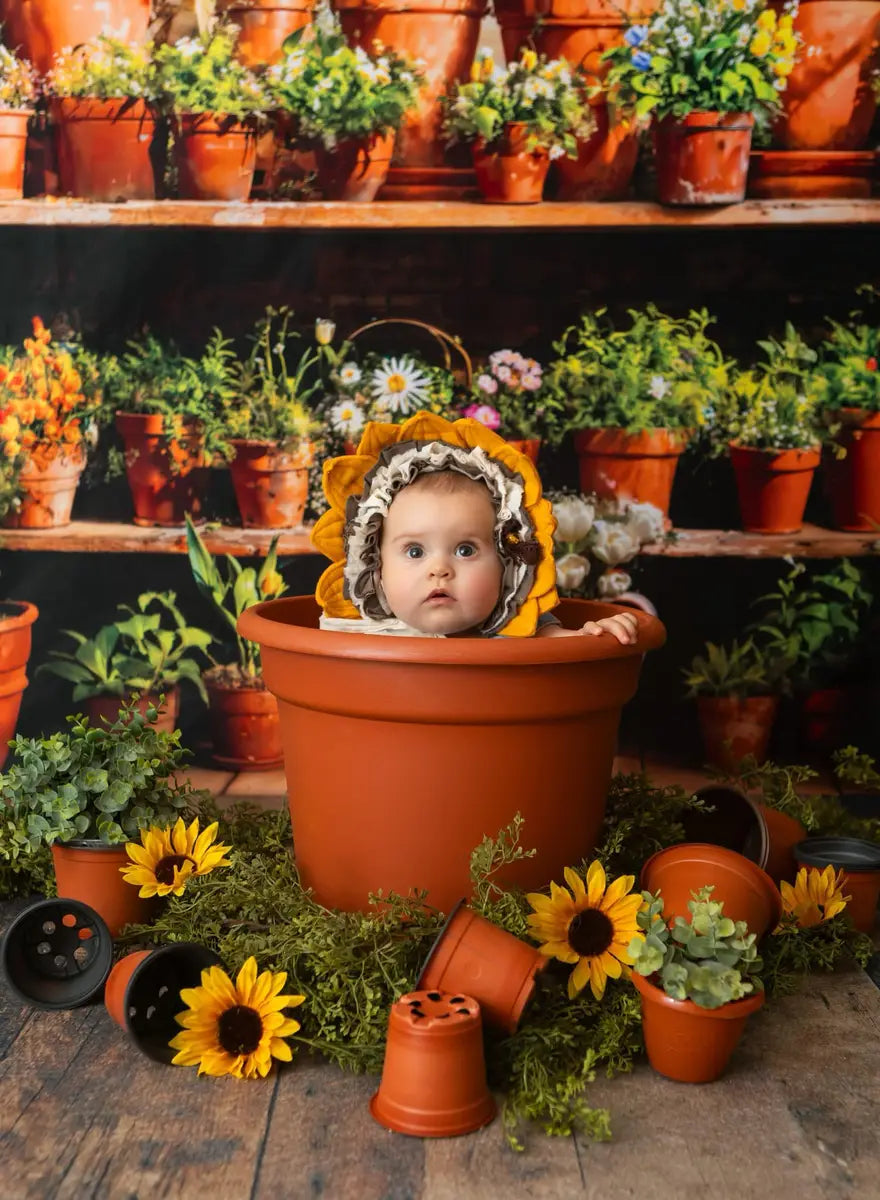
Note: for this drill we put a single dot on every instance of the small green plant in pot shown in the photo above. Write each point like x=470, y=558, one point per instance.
x=698, y=985
x=18, y=97
x=508, y=395
x=243, y=712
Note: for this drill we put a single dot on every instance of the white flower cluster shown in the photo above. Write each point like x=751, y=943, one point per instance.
x=610, y=532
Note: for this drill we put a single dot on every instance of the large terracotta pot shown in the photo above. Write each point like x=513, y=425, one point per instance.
x=733, y=727
x=104, y=149
x=773, y=486
x=829, y=103
x=604, y=164
x=363, y=718
x=245, y=728
x=104, y=710
x=640, y=466
x=271, y=484
x=443, y=35
x=89, y=871
x=42, y=28
x=16, y=618
x=48, y=491
x=13, y=142
x=355, y=169
x=216, y=158
x=168, y=476
x=853, y=482
x=511, y=173
x=264, y=25
x=703, y=158
x=577, y=30
x=686, y=1042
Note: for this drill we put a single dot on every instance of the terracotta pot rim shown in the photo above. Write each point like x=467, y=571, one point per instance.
x=138, y=109
x=190, y=425
x=732, y=1011
x=21, y=620
x=813, y=452
x=212, y=678
x=859, y=418
x=453, y=912
x=17, y=112
x=731, y=858
x=739, y=699
x=89, y=844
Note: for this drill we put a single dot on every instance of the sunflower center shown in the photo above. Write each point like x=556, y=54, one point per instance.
x=165, y=866
x=590, y=932
x=396, y=383
x=239, y=1030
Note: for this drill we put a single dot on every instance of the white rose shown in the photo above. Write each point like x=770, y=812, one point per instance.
x=613, y=543
x=574, y=518
x=614, y=583
x=571, y=571
x=645, y=521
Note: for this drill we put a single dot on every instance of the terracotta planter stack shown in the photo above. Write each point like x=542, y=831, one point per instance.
x=104, y=149
x=641, y=466
x=16, y=619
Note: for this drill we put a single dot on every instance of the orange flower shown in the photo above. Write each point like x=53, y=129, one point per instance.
x=28, y=438
x=51, y=430
x=71, y=431
x=4, y=371
x=12, y=449
x=16, y=381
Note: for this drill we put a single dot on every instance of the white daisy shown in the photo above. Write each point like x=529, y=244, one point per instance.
x=349, y=374
x=347, y=418
x=399, y=384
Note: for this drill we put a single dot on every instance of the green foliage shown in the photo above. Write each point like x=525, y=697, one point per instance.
x=779, y=788
x=849, y=356
x=853, y=767
x=139, y=653
x=736, y=670
x=30, y=874
x=106, y=68
x=791, y=953
x=641, y=819
x=19, y=86
x=709, y=959
x=203, y=75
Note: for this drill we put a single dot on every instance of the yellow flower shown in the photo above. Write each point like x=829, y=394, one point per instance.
x=235, y=1028
x=168, y=858
x=325, y=331
x=591, y=927
x=272, y=584
x=767, y=20
x=786, y=23
x=488, y=65
x=529, y=60
x=817, y=896
x=760, y=43
x=475, y=72
x=783, y=67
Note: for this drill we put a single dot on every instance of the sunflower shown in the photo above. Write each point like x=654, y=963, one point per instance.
x=168, y=858
x=235, y=1028
x=589, y=926
x=398, y=386
x=817, y=896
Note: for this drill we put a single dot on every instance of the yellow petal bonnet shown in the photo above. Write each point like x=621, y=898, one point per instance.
x=359, y=488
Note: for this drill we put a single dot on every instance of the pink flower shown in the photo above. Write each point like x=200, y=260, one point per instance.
x=487, y=384
x=504, y=374
x=485, y=414
x=531, y=383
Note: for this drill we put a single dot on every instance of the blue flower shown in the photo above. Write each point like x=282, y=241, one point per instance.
x=635, y=35
x=641, y=60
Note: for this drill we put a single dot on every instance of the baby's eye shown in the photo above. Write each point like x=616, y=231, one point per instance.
x=465, y=550
x=413, y=552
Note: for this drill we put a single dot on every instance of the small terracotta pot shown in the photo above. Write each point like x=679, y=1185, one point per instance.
x=773, y=486
x=264, y=25
x=811, y=174
x=143, y=993
x=434, y=1077
x=216, y=158
x=703, y=158
x=783, y=833
x=737, y=822
x=271, y=485
x=747, y=892
x=474, y=956
x=56, y=954
x=43, y=28
x=48, y=491
x=168, y=476
x=245, y=727
x=604, y=164
x=13, y=142
x=511, y=173
x=733, y=727
x=103, y=710
x=89, y=871
x=530, y=447
x=860, y=860
x=355, y=169
x=16, y=619
x=853, y=482
x=104, y=149
x=640, y=466
x=686, y=1042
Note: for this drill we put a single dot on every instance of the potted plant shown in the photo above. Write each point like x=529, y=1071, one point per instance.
x=508, y=396
x=703, y=72
x=18, y=95
x=768, y=421
x=737, y=694
x=517, y=119
x=46, y=421
x=633, y=397
x=698, y=985
x=243, y=712
x=141, y=653
x=345, y=105
x=87, y=791
x=102, y=93
x=215, y=103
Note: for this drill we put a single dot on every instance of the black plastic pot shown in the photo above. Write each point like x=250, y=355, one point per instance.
x=57, y=954
x=736, y=823
x=852, y=854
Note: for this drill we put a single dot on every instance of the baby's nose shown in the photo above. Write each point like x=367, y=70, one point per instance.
x=440, y=566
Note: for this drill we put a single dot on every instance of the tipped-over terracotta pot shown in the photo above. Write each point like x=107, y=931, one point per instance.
x=402, y=753
x=736, y=821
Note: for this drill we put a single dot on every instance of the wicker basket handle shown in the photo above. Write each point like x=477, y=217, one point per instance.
x=445, y=340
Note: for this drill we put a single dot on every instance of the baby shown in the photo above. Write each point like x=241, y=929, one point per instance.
x=440, y=570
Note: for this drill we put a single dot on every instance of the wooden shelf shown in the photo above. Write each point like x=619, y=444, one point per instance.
x=463, y=216
x=112, y=537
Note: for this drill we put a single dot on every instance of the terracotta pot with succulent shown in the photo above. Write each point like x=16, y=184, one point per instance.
x=634, y=398
x=698, y=985
x=216, y=105
x=703, y=72
x=18, y=96
x=48, y=417
x=345, y=105
x=149, y=651
x=243, y=712
x=45, y=28
x=508, y=397
x=87, y=791
x=518, y=119
x=101, y=102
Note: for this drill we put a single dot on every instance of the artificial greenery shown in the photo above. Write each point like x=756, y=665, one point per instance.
x=105, y=68
x=849, y=356
x=19, y=88
x=739, y=670
x=204, y=75
x=792, y=952
x=146, y=651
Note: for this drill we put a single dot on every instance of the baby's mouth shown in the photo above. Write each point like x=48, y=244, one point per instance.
x=439, y=594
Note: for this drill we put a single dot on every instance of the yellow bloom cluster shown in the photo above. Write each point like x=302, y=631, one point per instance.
x=776, y=38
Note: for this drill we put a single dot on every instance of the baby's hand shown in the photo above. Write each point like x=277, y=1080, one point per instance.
x=624, y=626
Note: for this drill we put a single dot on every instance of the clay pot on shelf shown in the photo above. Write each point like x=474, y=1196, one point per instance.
x=772, y=487
x=736, y=821
x=48, y=491
x=355, y=169
x=56, y=954
x=734, y=726
x=386, y=699
x=104, y=710
x=853, y=482
x=271, y=484
x=604, y=164
x=686, y=1042
x=860, y=860
x=216, y=157
x=530, y=447
x=264, y=25
x=811, y=174
x=89, y=871
x=43, y=28
x=16, y=619
x=245, y=727
x=168, y=476
x=511, y=173
x=434, y=1076
x=104, y=149
x=616, y=464
x=703, y=158
x=13, y=143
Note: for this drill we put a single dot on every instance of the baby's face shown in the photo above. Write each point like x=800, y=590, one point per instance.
x=440, y=570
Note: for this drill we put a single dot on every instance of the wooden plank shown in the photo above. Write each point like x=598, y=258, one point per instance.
x=249, y=785
x=438, y=215
x=119, y=537
x=810, y=542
